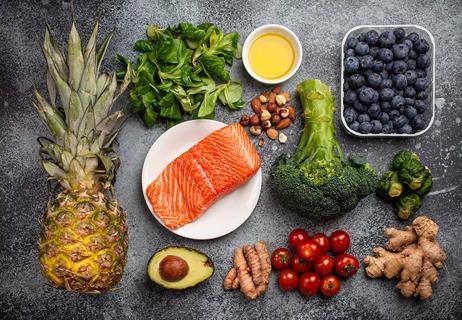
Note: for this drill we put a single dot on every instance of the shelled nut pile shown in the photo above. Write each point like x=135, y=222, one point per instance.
x=272, y=114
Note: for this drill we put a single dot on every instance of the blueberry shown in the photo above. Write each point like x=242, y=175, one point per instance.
x=365, y=62
x=388, y=128
x=411, y=76
x=408, y=43
x=362, y=37
x=400, y=81
x=421, y=106
x=359, y=89
x=413, y=54
x=354, y=126
x=421, y=84
x=386, y=83
x=386, y=55
x=359, y=107
x=409, y=92
x=399, y=92
x=383, y=117
x=410, y=112
x=374, y=110
x=418, y=122
x=350, y=53
x=363, y=117
x=356, y=80
x=376, y=126
x=422, y=95
x=366, y=95
x=406, y=129
x=400, y=121
x=365, y=127
x=400, y=51
x=389, y=66
x=387, y=39
x=350, y=115
x=349, y=97
x=385, y=74
x=413, y=37
x=386, y=94
x=374, y=51
x=351, y=43
x=366, y=73
x=372, y=37
x=409, y=101
x=399, y=66
x=397, y=102
x=346, y=86
x=385, y=106
x=393, y=114
x=375, y=97
x=378, y=66
x=399, y=34
x=421, y=73
x=351, y=64
x=361, y=48
x=423, y=61
x=421, y=46
x=411, y=64
x=374, y=80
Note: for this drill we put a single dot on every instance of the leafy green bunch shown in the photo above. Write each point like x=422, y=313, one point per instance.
x=182, y=69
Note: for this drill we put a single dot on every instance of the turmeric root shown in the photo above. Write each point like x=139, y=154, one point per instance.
x=229, y=279
x=414, y=257
x=246, y=284
x=253, y=262
x=265, y=264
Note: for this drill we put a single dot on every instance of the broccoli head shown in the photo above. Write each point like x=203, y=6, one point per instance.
x=317, y=181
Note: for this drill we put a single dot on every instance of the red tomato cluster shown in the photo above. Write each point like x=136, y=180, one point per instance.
x=310, y=268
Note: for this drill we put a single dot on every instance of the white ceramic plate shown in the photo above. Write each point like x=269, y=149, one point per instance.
x=225, y=215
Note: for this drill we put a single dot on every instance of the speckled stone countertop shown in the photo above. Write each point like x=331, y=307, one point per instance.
x=320, y=26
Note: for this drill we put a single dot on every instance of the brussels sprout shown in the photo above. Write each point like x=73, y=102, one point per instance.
x=400, y=157
x=426, y=185
x=412, y=173
x=407, y=205
x=389, y=186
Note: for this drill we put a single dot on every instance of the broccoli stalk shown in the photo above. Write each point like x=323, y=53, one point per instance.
x=317, y=181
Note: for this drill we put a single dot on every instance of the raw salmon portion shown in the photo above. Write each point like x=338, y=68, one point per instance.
x=213, y=167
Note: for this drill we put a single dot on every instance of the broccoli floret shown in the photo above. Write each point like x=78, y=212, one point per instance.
x=317, y=181
x=407, y=205
x=389, y=186
x=413, y=173
x=426, y=185
x=402, y=156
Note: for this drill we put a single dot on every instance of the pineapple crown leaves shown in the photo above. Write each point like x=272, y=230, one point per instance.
x=82, y=126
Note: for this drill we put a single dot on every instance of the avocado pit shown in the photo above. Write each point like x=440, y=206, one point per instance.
x=173, y=268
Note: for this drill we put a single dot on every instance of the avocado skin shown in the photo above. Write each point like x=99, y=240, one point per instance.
x=207, y=264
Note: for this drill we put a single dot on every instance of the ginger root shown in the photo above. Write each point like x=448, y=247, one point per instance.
x=251, y=270
x=413, y=256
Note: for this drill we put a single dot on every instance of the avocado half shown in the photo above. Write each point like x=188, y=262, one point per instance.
x=199, y=267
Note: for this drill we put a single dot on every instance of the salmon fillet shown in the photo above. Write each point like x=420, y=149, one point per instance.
x=191, y=183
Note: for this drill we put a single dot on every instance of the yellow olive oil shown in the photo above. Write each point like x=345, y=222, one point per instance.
x=271, y=56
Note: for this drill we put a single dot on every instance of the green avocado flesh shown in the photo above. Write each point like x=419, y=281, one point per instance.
x=200, y=267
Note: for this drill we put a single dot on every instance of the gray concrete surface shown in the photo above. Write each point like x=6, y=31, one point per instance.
x=320, y=26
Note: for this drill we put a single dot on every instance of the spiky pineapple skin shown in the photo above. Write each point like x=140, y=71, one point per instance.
x=83, y=241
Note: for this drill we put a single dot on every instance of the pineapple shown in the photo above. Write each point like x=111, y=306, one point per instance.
x=83, y=241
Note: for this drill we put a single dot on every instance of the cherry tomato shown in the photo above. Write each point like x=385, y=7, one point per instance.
x=300, y=265
x=339, y=241
x=330, y=286
x=288, y=279
x=297, y=236
x=309, y=250
x=280, y=259
x=323, y=265
x=346, y=265
x=309, y=283
x=323, y=241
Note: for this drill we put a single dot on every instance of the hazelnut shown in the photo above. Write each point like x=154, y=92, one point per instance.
x=266, y=124
x=263, y=99
x=284, y=113
x=272, y=133
x=286, y=95
x=255, y=130
x=275, y=118
x=173, y=268
x=292, y=113
x=256, y=105
x=281, y=100
x=265, y=115
x=245, y=119
x=284, y=123
x=272, y=107
x=282, y=137
x=254, y=120
x=272, y=97
x=276, y=89
x=261, y=142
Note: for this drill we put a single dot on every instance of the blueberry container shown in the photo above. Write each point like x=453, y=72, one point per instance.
x=429, y=115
